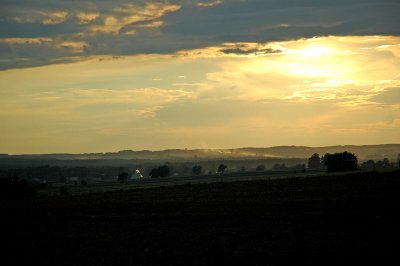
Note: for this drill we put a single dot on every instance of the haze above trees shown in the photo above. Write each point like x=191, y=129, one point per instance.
x=364, y=152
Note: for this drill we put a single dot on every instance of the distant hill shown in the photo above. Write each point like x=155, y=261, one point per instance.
x=364, y=152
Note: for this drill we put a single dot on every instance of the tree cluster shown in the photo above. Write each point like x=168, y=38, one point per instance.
x=340, y=162
x=260, y=167
x=337, y=162
x=61, y=173
x=371, y=164
x=221, y=168
x=314, y=162
x=161, y=171
x=279, y=166
x=196, y=169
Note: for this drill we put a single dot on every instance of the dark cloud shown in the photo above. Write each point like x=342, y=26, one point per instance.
x=112, y=31
x=245, y=51
x=261, y=20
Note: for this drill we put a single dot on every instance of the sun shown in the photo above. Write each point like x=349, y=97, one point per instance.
x=313, y=51
x=319, y=59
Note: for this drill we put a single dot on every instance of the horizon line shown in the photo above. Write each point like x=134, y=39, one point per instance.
x=196, y=149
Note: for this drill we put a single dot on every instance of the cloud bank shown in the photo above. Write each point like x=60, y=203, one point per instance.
x=81, y=29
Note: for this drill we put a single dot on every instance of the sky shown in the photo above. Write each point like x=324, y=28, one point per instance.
x=99, y=76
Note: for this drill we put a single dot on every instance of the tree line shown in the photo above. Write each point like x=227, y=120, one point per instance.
x=337, y=162
x=13, y=183
x=345, y=161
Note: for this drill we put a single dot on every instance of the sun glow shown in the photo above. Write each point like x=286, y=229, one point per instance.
x=313, y=51
x=321, y=59
x=324, y=58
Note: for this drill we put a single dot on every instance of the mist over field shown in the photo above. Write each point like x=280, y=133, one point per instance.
x=364, y=152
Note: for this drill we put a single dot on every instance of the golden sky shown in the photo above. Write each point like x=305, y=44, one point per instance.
x=317, y=91
x=98, y=76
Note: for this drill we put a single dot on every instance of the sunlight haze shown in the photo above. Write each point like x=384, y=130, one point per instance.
x=106, y=77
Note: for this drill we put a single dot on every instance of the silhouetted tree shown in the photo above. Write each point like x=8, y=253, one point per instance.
x=154, y=173
x=196, y=169
x=221, y=168
x=386, y=162
x=314, y=162
x=339, y=162
x=161, y=171
x=260, y=167
x=382, y=163
x=164, y=171
x=370, y=164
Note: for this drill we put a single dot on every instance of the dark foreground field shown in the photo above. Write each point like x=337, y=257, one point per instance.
x=339, y=220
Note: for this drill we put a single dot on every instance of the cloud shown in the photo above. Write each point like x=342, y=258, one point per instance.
x=130, y=15
x=136, y=96
x=49, y=17
x=209, y=4
x=28, y=41
x=314, y=91
x=77, y=105
x=54, y=17
x=75, y=47
x=390, y=96
x=19, y=51
x=254, y=51
x=144, y=27
x=239, y=49
x=87, y=17
x=335, y=69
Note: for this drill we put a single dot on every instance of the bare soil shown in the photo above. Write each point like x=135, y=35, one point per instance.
x=322, y=220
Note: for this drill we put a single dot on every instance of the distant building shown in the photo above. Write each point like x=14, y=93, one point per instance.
x=137, y=174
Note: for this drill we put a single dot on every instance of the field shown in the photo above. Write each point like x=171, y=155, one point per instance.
x=318, y=220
